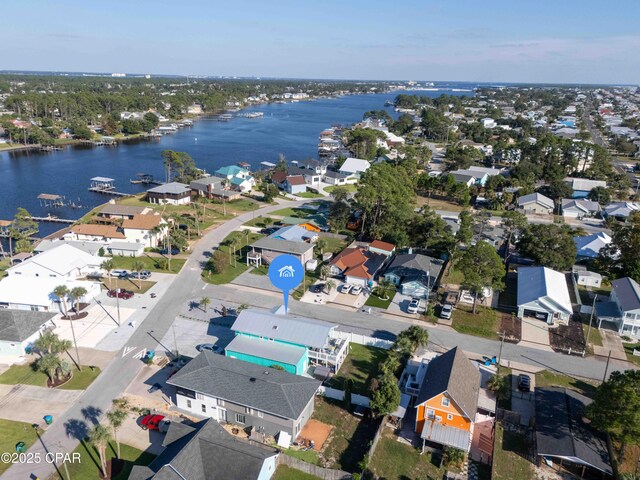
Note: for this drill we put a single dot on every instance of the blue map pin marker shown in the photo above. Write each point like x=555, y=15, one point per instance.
x=286, y=272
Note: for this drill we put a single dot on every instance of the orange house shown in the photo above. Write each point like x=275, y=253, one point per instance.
x=448, y=400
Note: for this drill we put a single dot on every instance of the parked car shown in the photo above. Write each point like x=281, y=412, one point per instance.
x=345, y=288
x=269, y=230
x=317, y=288
x=142, y=275
x=414, y=305
x=120, y=273
x=355, y=290
x=209, y=346
x=446, y=311
x=174, y=251
x=120, y=293
x=524, y=383
x=325, y=228
x=155, y=422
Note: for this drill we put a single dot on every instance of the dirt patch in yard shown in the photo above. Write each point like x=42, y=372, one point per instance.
x=317, y=432
x=570, y=337
x=511, y=325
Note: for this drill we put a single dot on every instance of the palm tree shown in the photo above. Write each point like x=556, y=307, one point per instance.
x=235, y=242
x=116, y=418
x=48, y=364
x=99, y=437
x=325, y=271
x=321, y=245
x=61, y=291
x=137, y=266
x=46, y=342
x=330, y=286
x=385, y=286
x=76, y=293
x=121, y=403
x=241, y=307
x=204, y=303
x=418, y=336
x=108, y=266
x=246, y=233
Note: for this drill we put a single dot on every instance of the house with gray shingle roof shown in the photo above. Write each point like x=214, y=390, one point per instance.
x=414, y=273
x=245, y=394
x=20, y=328
x=206, y=451
x=536, y=203
x=623, y=307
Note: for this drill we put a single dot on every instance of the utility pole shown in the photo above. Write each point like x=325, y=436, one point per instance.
x=118, y=301
x=502, y=334
x=593, y=308
x=606, y=369
x=64, y=463
x=175, y=343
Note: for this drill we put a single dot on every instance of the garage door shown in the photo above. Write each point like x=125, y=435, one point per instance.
x=538, y=315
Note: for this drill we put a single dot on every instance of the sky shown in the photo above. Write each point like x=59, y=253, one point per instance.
x=536, y=41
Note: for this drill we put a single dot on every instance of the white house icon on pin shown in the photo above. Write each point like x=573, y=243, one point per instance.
x=286, y=271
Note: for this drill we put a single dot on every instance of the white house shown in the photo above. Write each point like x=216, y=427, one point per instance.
x=19, y=329
x=587, y=278
x=623, y=307
x=579, y=208
x=354, y=167
x=61, y=262
x=488, y=122
x=543, y=294
x=536, y=203
x=239, y=178
x=148, y=230
x=589, y=246
x=174, y=193
x=36, y=293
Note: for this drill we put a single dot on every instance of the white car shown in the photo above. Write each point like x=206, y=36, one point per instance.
x=414, y=306
x=120, y=273
x=356, y=289
x=446, y=311
x=345, y=288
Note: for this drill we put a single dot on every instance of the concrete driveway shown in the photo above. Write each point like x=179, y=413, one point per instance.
x=187, y=334
x=28, y=403
x=611, y=341
x=400, y=303
x=523, y=402
x=535, y=334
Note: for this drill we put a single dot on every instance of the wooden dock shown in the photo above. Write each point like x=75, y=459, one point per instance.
x=53, y=220
x=110, y=192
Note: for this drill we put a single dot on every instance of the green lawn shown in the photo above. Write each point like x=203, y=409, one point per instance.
x=150, y=263
x=243, y=205
x=27, y=375
x=377, y=302
x=628, y=348
x=235, y=266
x=595, y=337
x=397, y=461
x=284, y=472
x=348, y=188
x=335, y=245
x=293, y=212
x=89, y=466
x=136, y=286
x=260, y=221
x=485, y=323
x=509, y=456
x=453, y=277
x=12, y=433
x=552, y=379
x=360, y=366
x=309, y=195
x=309, y=456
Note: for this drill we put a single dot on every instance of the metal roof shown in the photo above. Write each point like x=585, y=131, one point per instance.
x=102, y=179
x=546, y=286
x=266, y=389
x=275, y=351
x=536, y=198
x=453, y=437
x=286, y=328
x=283, y=246
x=627, y=293
x=173, y=188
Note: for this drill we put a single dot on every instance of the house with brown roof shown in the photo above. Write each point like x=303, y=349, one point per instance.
x=118, y=211
x=358, y=265
x=385, y=248
x=447, y=404
x=295, y=184
x=148, y=230
x=95, y=233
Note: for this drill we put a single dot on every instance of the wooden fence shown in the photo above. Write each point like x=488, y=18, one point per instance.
x=309, y=468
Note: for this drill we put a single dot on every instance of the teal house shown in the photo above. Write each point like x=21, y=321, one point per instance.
x=292, y=343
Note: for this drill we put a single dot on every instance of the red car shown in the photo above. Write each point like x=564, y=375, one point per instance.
x=121, y=293
x=154, y=422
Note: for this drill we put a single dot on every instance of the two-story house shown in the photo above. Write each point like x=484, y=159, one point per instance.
x=242, y=393
x=293, y=343
x=623, y=307
x=239, y=178
x=447, y=404
x=147, y=230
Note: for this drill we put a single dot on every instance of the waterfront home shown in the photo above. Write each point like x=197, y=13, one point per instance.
x=589, y=246
x=265, y=249
x=89, y=232
x=275, y=338
x=582, y=186
x=622, y=311
x=239, y=178
x=117, y=211
x=579, y=208
x=357, y=265
x=447, y=404
x=19, y=329
x=320, y=168
x=204, y=451
x=174, y=193
x=311, y=177
x=147, y=230
x=543, y=294
x=36, y=293
x=213, y=187
x=61, y=262
x=415, y=274
x=354, y=168
x=228, y=390
x=563, y=435
x=535, y=203
x=294, y=184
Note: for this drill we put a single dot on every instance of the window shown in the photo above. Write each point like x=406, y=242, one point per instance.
x=241, y=419
x=199, y=396
x=188, y=403
x=445, y=402
x=430, y=413
x=248, y=410
x=438, y=418
x=260, y=415
x=449, y=416
x=219, y=402
x=204, y=408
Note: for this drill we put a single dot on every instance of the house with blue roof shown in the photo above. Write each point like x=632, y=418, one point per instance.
x=239, y=178
x=292, y=343
x=295, y=233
